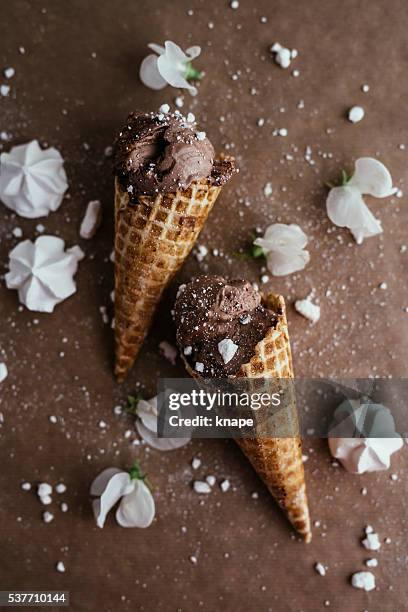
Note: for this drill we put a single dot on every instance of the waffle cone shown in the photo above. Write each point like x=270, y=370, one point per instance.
x=278, y=460
x=152, y=240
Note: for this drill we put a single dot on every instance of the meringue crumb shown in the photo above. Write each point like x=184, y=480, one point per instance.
x=48, y=517
x=3, y=372
x=371, y=562
x=268, y=190
x=201, y=487
x=356, y=114
x=225, y=485
x=168, y=351
x=60, y=488
x=60, y=567
x=9, y=72
x=26, y=486
x=371, y=542
x=211, y=480
x=196, y=462
x=308, y=309
x=320, y=569
x=91, y=220
x=199, y=367
x=363, y=580
x=227, y=349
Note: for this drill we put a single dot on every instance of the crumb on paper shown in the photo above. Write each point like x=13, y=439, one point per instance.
x=308, y=309
x=3, y=371
x=268, y=190
x=356, y=114
x=201, y=487
x=363, y=580
x=320, y=569
x=371, y=542
x=195, y=463
x=91, y=220
x=225, y=485
x=283, y=56
x=168, y=351
x=48, y=517
x=201, y=252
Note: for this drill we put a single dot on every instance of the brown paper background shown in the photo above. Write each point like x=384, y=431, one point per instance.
x=247, y=556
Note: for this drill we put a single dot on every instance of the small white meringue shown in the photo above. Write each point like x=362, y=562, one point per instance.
x=352, y=436
x=42, y=272
x=32, y=180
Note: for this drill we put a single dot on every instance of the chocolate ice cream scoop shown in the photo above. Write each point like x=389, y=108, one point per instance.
x=163, y=152
x=219, y=322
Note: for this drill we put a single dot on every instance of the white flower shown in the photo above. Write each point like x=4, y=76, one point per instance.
x=42, y=272
x=32, y=180
x=283, y=246
x=170, y=66
x=146, y=425
x=353, y=436
x=136, y=508
x=345, y=205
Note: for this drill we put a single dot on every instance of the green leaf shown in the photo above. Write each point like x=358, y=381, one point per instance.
x=132, y=403
x=135, y=473
x=252, y=252
x=192, y=74
x=344, y=178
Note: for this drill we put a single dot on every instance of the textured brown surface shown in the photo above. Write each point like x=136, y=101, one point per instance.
x=152, y=240
x=62, y=95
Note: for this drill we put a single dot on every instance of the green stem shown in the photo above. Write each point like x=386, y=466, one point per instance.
x=135, y=473
x=192, y=74
x=132, y=403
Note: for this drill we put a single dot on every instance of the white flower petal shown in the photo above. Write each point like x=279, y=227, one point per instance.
x=99, y=483
x=286, y=261
x=372, y=177
x=163, y=444
x=193, y=52
x=280, y=235
x=137, y=509
x=346, y=208
x=156, y=48
x=117, y=486
x=172, y=66
x=147, y=413
x=149, y=73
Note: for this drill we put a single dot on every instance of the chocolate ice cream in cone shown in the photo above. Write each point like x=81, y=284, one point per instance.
x=166, y=182
x=225, y=329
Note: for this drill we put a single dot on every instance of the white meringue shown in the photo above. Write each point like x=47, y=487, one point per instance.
x=308, y=309
x=32, y=180
x=352, y=436
x=42, y=272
